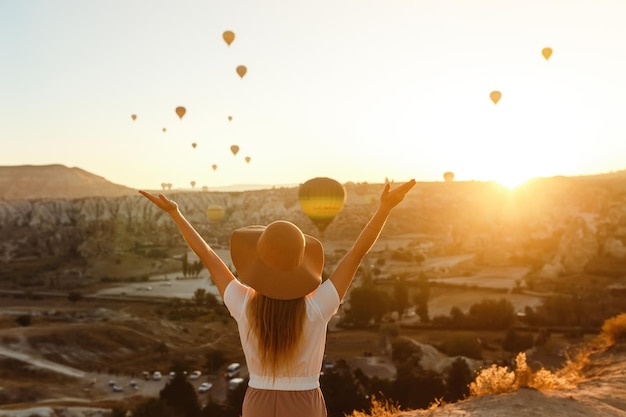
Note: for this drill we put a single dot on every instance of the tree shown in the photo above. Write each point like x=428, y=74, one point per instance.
x=24, y=320
x=368, y=303
x=400, y=295
x=416, y=388
x=74, y=296
x=342, y=392
x=457, y=379
x=199, y=296
x=214, y=360
x=492, y=314
x=180, y=395
x=421, y=297
x=185, y=262
x=155, y=407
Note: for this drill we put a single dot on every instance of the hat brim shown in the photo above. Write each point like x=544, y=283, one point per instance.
x=272, y=283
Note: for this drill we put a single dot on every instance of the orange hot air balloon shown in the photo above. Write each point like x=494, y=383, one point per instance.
x=180, y=111
x=241, y=70
x=234, y=149
x=248, y=159
x=133, y=116
x=321, y=200
x=495, y=96
x=448, y=176
x=229, y=37
x=193, y=145
x=215, y=213
x=230, y=118
x=547, y=53
x=214, y=167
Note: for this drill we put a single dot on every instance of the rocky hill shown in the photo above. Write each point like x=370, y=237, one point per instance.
x=27, y=182
x=560, y=226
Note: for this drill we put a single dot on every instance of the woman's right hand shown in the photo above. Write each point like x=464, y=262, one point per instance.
x=162, y=202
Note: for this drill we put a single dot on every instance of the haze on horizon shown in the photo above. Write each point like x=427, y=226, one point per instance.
x=356, y=91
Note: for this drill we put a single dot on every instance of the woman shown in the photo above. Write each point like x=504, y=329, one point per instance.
x=281, y=306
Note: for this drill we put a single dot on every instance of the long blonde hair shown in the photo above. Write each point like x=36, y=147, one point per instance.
x=277, y=325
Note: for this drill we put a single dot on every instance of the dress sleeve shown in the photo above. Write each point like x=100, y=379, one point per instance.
x=327, y=299
x=235, y=296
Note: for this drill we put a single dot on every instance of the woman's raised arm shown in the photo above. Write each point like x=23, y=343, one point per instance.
x=220, y=273
x=346, y=269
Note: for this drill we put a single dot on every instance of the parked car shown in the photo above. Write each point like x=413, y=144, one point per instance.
x=234, y=383
x=204, y=387
x=117, y=388
x=146, y=375
x=156, y=376
x=134, y=384
x=195, y=375
x=232, y=370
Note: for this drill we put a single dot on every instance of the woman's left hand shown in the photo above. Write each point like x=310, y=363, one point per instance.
x=391, y=198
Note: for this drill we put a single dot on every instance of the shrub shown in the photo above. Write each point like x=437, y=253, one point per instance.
x=614, y=329
x=380, y=408
x=24, y=320
x=493, y=380
x=499, y=380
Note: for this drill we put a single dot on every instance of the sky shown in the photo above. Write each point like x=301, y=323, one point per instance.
x=355, y=90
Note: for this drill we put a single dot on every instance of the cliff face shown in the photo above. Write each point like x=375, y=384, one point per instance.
x=566, y=225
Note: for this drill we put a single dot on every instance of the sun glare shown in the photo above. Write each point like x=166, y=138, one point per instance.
x=512, y=181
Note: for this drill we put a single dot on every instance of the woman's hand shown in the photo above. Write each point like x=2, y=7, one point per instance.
x=162, y=202
x=391, y=198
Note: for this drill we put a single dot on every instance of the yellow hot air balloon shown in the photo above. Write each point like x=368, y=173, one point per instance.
x=241, y=70
x=193, y=145
x=495, y=96
x=229, y=37
x=448, y=176
x=547, y=53
x=234, y=149
x=214, y=167
x=215, y=213
x=321, y=200
x=133, y=116
x=180, y=111
x=248, y=159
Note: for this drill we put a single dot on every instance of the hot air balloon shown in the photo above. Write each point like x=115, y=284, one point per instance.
x=321, y=200
x=248, y=159
x=193, y=184
x=547, y=53
x=229, y=37
x=241, y=70
x=234, y=149
x=448, y=176
x=180, y=111
x=193, y=145
x=164, y=130
x=495, y=96
x=133, y=116
x=215, y=213
x=230, y=118
x=214, y=167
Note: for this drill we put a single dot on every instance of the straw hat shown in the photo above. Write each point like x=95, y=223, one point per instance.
x=278, y=260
